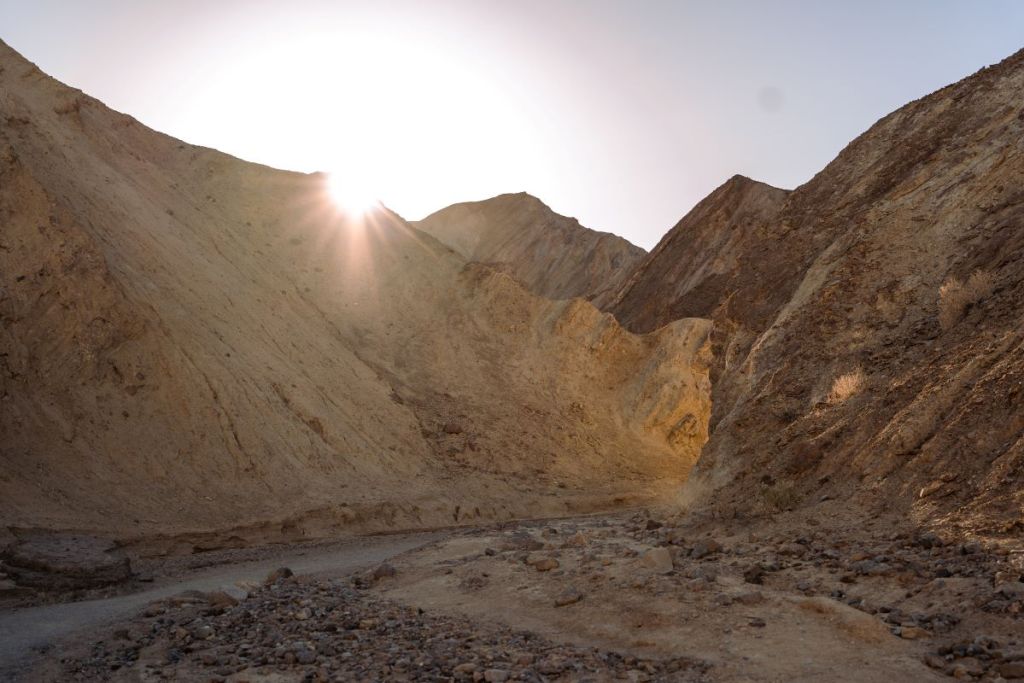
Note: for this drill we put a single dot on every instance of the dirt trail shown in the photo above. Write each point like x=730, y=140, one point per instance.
x=27, y=633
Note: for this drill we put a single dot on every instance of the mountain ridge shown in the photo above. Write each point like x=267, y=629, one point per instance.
x=552, y=255
x=843, y=277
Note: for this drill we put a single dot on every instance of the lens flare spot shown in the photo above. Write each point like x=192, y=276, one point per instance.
x=351, y=195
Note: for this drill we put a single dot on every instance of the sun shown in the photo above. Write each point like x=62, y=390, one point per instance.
x=351, y=195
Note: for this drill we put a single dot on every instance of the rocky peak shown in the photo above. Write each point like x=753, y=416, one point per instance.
x=551, y=254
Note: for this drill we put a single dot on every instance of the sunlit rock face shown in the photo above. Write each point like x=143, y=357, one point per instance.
x=721, y=261
x=840, y=368
x=195, y=343
x=552, y=255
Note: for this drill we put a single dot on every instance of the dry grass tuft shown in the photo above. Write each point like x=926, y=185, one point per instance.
x=846, y=386
x=955, y=296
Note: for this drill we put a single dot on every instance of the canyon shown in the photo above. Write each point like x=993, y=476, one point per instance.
x=786, y=443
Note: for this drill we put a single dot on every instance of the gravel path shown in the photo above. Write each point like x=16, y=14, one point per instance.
x=27, y=633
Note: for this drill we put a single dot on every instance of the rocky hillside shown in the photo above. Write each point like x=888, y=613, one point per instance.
x=191, y=343
x=552, y=255
x=867, y=325
x=720, y=247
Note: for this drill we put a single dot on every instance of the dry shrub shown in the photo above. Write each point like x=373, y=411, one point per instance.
x=781, y=497
x=955, y=296
x=846, y=386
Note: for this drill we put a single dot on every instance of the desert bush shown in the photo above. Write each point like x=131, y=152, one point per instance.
x=955, y=296
x=780, y=497
x=846, y=386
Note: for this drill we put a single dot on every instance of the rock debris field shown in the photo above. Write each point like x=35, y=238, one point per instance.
x=632, y=598
x=329, y=630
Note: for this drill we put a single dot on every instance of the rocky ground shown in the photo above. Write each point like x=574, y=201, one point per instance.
x=635, y=597
x=290, y=629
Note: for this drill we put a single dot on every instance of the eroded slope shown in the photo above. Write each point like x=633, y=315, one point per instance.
x=191, y=342
x=552, y=255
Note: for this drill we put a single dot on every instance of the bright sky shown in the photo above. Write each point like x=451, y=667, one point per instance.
x=623, y=114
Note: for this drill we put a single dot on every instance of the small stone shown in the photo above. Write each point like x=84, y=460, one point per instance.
x=464, y=668
x=793, y=549
x=754, y=575
x=871, y=568
x=708, y=573
x=278, y=575
x=552, y=665
x=569, y=596
x=698, y=585
x=705, y=547
x=542, y=563
x=154, y=610
x=577, y=540
x=220, y=599
x=673, y=536
x=912, y=633
x=929, y=540
x=452, y=428
x=750, y=598
x=202, y=632
x=968, y=667
x=496, y=675
x=1011, y=669
x=657, y=559
x=383, y=571
x=1012, y=590
x=521, y=540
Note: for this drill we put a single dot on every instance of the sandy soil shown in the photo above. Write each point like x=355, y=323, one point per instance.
x=807, y=597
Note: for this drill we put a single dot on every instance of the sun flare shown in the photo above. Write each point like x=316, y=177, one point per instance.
x=350, y=195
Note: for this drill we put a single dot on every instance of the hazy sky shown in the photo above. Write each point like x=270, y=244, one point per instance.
x=623, y=114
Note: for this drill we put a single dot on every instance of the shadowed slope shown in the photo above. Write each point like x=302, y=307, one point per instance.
x=842, y=277
x=720, y=249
